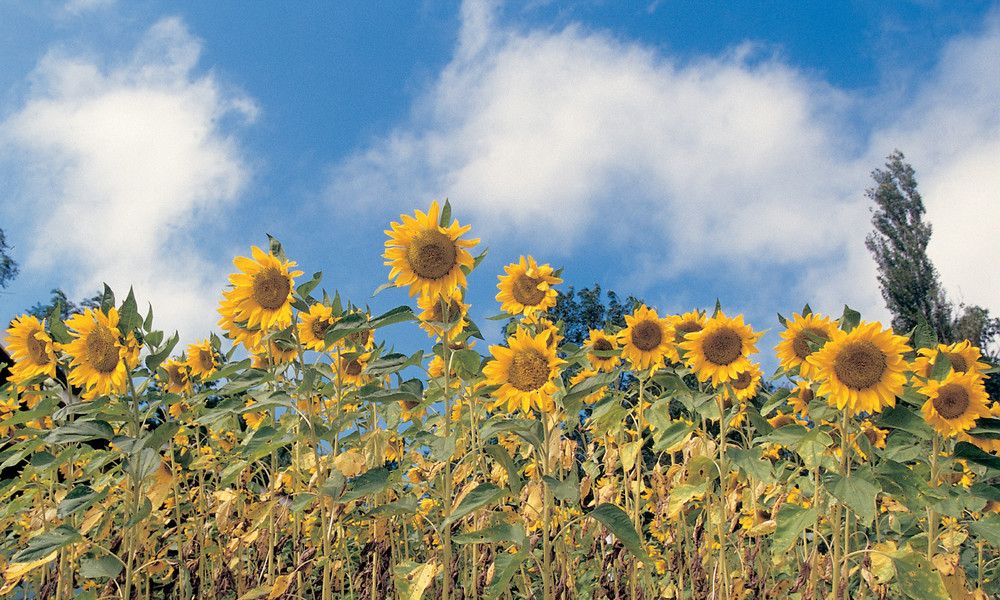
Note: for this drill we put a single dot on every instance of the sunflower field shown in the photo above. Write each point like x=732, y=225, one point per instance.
x=300, y=456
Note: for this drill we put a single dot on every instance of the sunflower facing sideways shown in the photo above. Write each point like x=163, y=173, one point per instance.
x=683, y=325
x=527, y=288
x=31, y=348
x=201, y=359
x=954, y=404
x=720, y=349
x=99, y=358
x=645, y=338
x=798, y=341
x=427, y=256
x=436, y=310
x=262, y=292
x=598, y=341
x=862, y=371
x=313, y=325
x=525, y=371
x=963, y=356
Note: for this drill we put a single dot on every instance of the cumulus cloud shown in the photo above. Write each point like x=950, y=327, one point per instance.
x=122, y=164
x=739, y=164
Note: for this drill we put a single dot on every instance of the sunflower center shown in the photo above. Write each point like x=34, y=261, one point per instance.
x=102, y=350
x=205, y=360
x=782, y=420
x=806, y=395
x=453, y=311
x=872, y=436
x=319, y=327
x=361, y=338
x=602, y=345
x=528, y=371
x=952, y=401
x=958, y=362
x=682, y=329
x=270, y=288
x=800, y=343
x=859, y=365
x=526, y=290
x=36, y=350
x=431, y=254
x=647, y=335
x=354, y=368
x=176, y=375
x=742, y=381
x=722, y=346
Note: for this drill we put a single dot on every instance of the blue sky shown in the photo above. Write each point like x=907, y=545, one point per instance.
x=678, y=152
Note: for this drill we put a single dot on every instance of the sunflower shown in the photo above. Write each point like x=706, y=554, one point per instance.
x=276, y=352
x=313, y=325
x=683, y=325
x=583, y=376
x=862, y=371
x=178, y=379
x=876, y=438
x=598, y=341
x=100, y=359
x=986, y=444
x=720, y=349
x=746, y=383
x=351, y=365
x=527, y=288
x=798, y=342
x=954, y=404
x=237, y=330
x=427, y=257
x=443, y=309
x=645, y=338
x=31, y=348
x=201, y=359
x=800, y=398
x=525, y=371
x=262, y=292
x=963, y=356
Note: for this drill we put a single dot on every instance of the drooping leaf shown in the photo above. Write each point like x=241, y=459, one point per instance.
x=619, y=524
x=80, y=431
x=102, y=566
x=791, y=520
x=500, y=532
x=505, y=565
x=483, y=495
x=858, y=494
x=371, y=482
x=43, y=544
x=500, y=455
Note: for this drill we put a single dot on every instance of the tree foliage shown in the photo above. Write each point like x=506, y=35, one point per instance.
x=583, y=310
x=908, y=279
x=8, y=266
x=65, y=305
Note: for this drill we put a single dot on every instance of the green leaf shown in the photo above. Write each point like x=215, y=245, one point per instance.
x=752, y=462
x=504, y=567
x=588, y=386
x=274, y=246
x=371, y=482
x=499, y=453
x=850, y=319
x=396, y=315
x=788, y=435
x=403, y=506
x=102, y=566
x=445, y=214
x=44, y=544
x=160, y=436
x=387, y=364
x=128, y=315
x=107, y=299
x=924, y=335
x=565, y=489
x=987, y=528
x=466, y=363
x=918, y=579
x=972, y=453
x=228, y=370
x=619, y=523
x=483, y=495
x=501, y=532
x=529, y=429
x=155, y=359
x=79, y=498
x=306, y=288
x=942, y=367
x=857, y=494
x=791, y=521
x=80, y=431
x=902, y=417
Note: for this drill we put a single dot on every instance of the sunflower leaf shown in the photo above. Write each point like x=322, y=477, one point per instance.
x=370, y=482
x=82, y=431
x=500, y=455
x=792, y=520
x=617, y=521
x=305, y=289
x=275, y=248
x=483, y=495
x=107, y=299
x=850, y=319
x=396, y=315
x=445, y=214
x=942, y=367
x=500, y=532
x=44, y=544
x=505, y=565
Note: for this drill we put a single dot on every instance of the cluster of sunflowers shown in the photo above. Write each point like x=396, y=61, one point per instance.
x=304, y=458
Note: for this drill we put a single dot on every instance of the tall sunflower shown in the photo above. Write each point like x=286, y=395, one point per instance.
x=689, y=322
x=798, y=342
x=862, y=371
x=720, y=350
x=201, y=359
x=31, y=348
x=313, y=325
x=599, y=341
x=746, y=383
x=178, y=380
x=527, y=288
x=100, y=360
x=963, y=356
x=427, y=257
x=525, y=371
x=262, y=292
x=443, y=309
x=954, y=404
x=646, y=338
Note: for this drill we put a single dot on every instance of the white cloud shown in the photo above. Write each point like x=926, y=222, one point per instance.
x=124, y=164
x=738, y=164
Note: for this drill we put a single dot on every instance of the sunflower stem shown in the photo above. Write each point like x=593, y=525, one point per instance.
x=931, y=513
